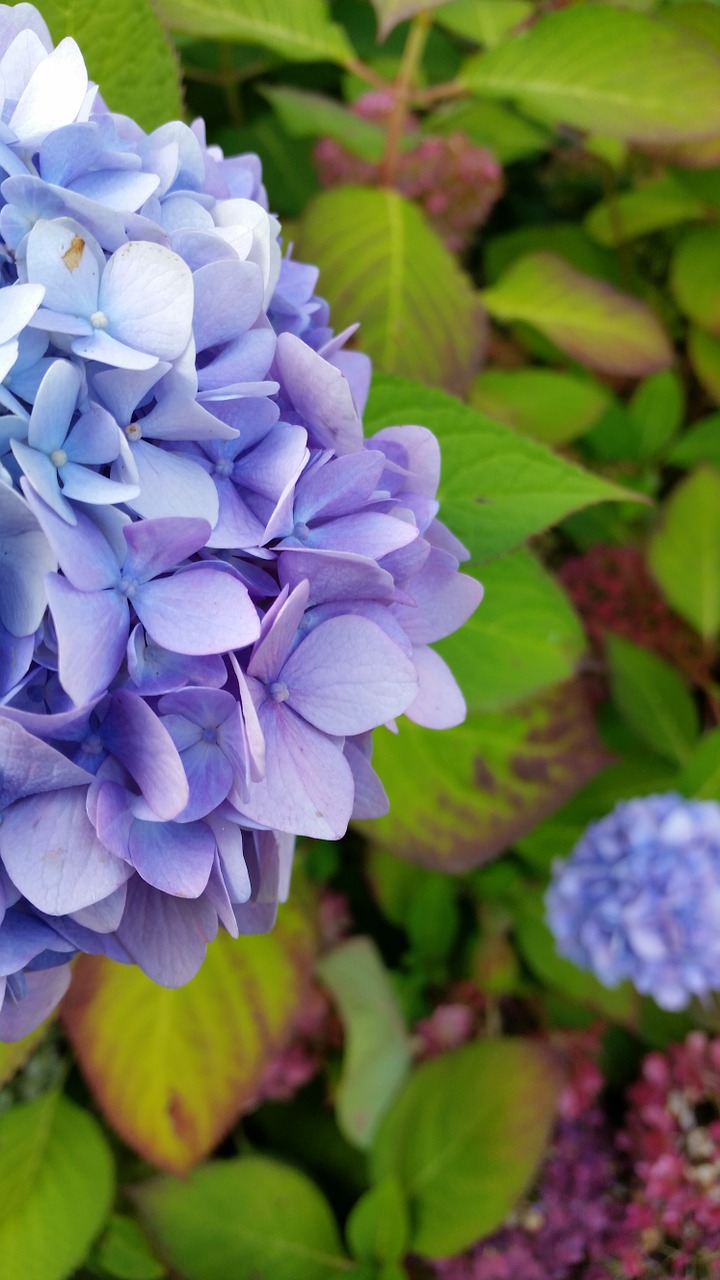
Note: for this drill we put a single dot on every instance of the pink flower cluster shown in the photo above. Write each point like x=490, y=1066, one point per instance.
x=672, y=1139
x=455, y=182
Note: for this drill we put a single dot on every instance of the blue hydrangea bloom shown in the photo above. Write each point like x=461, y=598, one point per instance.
x=639, y=898
x=212, y=587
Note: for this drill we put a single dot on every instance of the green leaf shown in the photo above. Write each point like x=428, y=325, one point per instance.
x=653, y=207
x=381, y=263
x=652, y=699
x=377, y=1047
x=497, y=488
x=704, y=352
x=126, y=52
x=587, y=318
x=700, y=443
x=242, y=1219
x=304, y=114
x=524, y=637
x=486, y=22
x=489, y=124
x=655, y=411
x=465, y=1137
x=56, y=1187
x=391, y=12
x=695, y=277
x=700, y=779
x=123, y=1252
x=549, y=405
x=538, y=950
x=299, y=32
x=189, y=1060
x=379, y=1226
x=609, y=71
x=684, y=551
x=460, y=801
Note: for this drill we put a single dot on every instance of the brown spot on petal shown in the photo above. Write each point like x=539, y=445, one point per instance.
x=73, y=255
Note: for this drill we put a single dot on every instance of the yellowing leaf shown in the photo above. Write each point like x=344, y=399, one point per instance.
x=172, y=1070
x=695, y=277
x=587, y=318
x=459, y=799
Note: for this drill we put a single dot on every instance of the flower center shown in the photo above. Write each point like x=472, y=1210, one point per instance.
x=99, y=320
x=134, y=431
x=301, y=532
x=209, y=735
x=127, y=587
x=58, y=457
x=279, y=691
x=224, y=466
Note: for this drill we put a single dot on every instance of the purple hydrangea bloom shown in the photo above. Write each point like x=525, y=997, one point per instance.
x=639, y=898
x=212, y=588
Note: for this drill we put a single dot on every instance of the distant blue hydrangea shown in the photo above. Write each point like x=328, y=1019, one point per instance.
x=639, y=898
x=212, y=587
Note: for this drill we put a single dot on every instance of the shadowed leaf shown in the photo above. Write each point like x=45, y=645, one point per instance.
x=377, y=1047
x=190, y=1060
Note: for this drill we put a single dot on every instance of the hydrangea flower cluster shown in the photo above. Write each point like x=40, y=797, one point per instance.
x=639, y=898
x=672, y=1139
x=455, y=182
x=212, y=588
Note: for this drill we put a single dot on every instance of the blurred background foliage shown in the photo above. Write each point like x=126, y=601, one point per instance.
x=519, y=201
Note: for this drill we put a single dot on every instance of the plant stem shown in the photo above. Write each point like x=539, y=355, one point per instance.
x=402, y=92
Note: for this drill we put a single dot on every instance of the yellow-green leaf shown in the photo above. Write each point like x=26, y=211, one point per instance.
x=547, y=404
x=188, y=1061
x=299, y=30
x=381, y=263
x=607, y=70
x=684, y=551
x=695, y=277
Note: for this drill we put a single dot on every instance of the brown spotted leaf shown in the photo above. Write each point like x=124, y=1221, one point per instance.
x=461, y=798
x=172, y=1070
